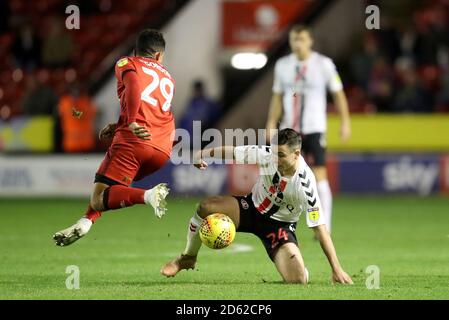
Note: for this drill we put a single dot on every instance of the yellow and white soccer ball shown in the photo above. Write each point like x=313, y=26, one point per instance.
x=217, y=231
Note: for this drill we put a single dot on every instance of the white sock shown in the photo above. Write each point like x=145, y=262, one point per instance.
x=193, y=236
x=85, y=225
x=307, y=274
x=324, y=191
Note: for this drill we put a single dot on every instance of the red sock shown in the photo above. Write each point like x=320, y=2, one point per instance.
x=116, y=197
x=91, y=214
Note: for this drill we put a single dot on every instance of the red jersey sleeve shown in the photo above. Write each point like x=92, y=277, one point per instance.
x=122, y=66
x=125, y=71
x=132, y=95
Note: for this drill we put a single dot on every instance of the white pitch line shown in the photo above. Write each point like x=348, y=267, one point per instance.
x=234, y=248
x=239, y=248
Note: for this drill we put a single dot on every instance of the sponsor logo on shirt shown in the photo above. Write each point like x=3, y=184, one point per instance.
x=245, y=204
x=313, y=214
x=122, y=62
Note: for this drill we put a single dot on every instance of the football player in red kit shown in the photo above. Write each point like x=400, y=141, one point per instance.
x=142, y=137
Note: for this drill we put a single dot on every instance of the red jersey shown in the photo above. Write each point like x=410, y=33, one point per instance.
x=157, y=90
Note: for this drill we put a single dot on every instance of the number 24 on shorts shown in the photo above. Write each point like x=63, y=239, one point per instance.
x=276, y=237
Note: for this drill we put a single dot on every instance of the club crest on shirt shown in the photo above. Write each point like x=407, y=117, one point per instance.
x=122, y=62
x=313, y=214
x=277, y=187
x=245, y=204
x=126, y=180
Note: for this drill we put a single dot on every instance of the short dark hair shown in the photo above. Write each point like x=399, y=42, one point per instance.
x=149, y=42
x=288, y=137
x=298, y=28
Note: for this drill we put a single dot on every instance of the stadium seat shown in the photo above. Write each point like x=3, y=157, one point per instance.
x=91, y=45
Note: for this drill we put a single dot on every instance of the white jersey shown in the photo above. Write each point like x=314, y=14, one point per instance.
x=281, y=198
x=303, y=85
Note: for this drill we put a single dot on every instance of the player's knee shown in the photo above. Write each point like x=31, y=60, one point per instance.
x=298, y=279
x=208, y=206
x=204, y=209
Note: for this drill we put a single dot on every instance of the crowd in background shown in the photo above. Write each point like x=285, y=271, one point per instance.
x=46, y=69
x=44, y=66
x=404, y=66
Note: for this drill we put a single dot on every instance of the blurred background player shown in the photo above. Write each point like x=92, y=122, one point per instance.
x=299, y=102
x=285, y=189
x=200, y=107
x=142, y=137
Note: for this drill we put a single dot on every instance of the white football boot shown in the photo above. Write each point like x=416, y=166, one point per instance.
x=156, y=198
x=71, y=234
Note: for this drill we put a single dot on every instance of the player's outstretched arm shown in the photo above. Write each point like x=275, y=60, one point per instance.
x=222, y=152
x=338, y=274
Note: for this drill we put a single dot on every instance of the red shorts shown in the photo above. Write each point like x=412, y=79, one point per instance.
x=125, y=163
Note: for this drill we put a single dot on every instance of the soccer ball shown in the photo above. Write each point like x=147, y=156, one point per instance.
x=217, y=231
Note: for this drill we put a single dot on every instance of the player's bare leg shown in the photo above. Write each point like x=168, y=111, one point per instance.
x=223, y=204
x=289, y=263
x=324, y=192
x=105, y=197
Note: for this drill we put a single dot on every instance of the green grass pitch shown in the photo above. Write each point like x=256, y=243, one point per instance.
x=406, y=237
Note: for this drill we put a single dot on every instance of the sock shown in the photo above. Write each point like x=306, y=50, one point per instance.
x=193, y=236
x=324, y=191
x=85, y=225
x=116, y=197
x=91, y=214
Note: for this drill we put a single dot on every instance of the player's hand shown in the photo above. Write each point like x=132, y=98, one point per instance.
x=139, y=131
x=341, y=277
x=198, y=161
x=202, y=165
x=345, y=131
x=108, y=131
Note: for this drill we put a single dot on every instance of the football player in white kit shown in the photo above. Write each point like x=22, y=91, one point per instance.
x=301, y=81
x=285, y=189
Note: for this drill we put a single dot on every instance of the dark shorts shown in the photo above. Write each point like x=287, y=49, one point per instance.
x=272, y=233
x=314, y=149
